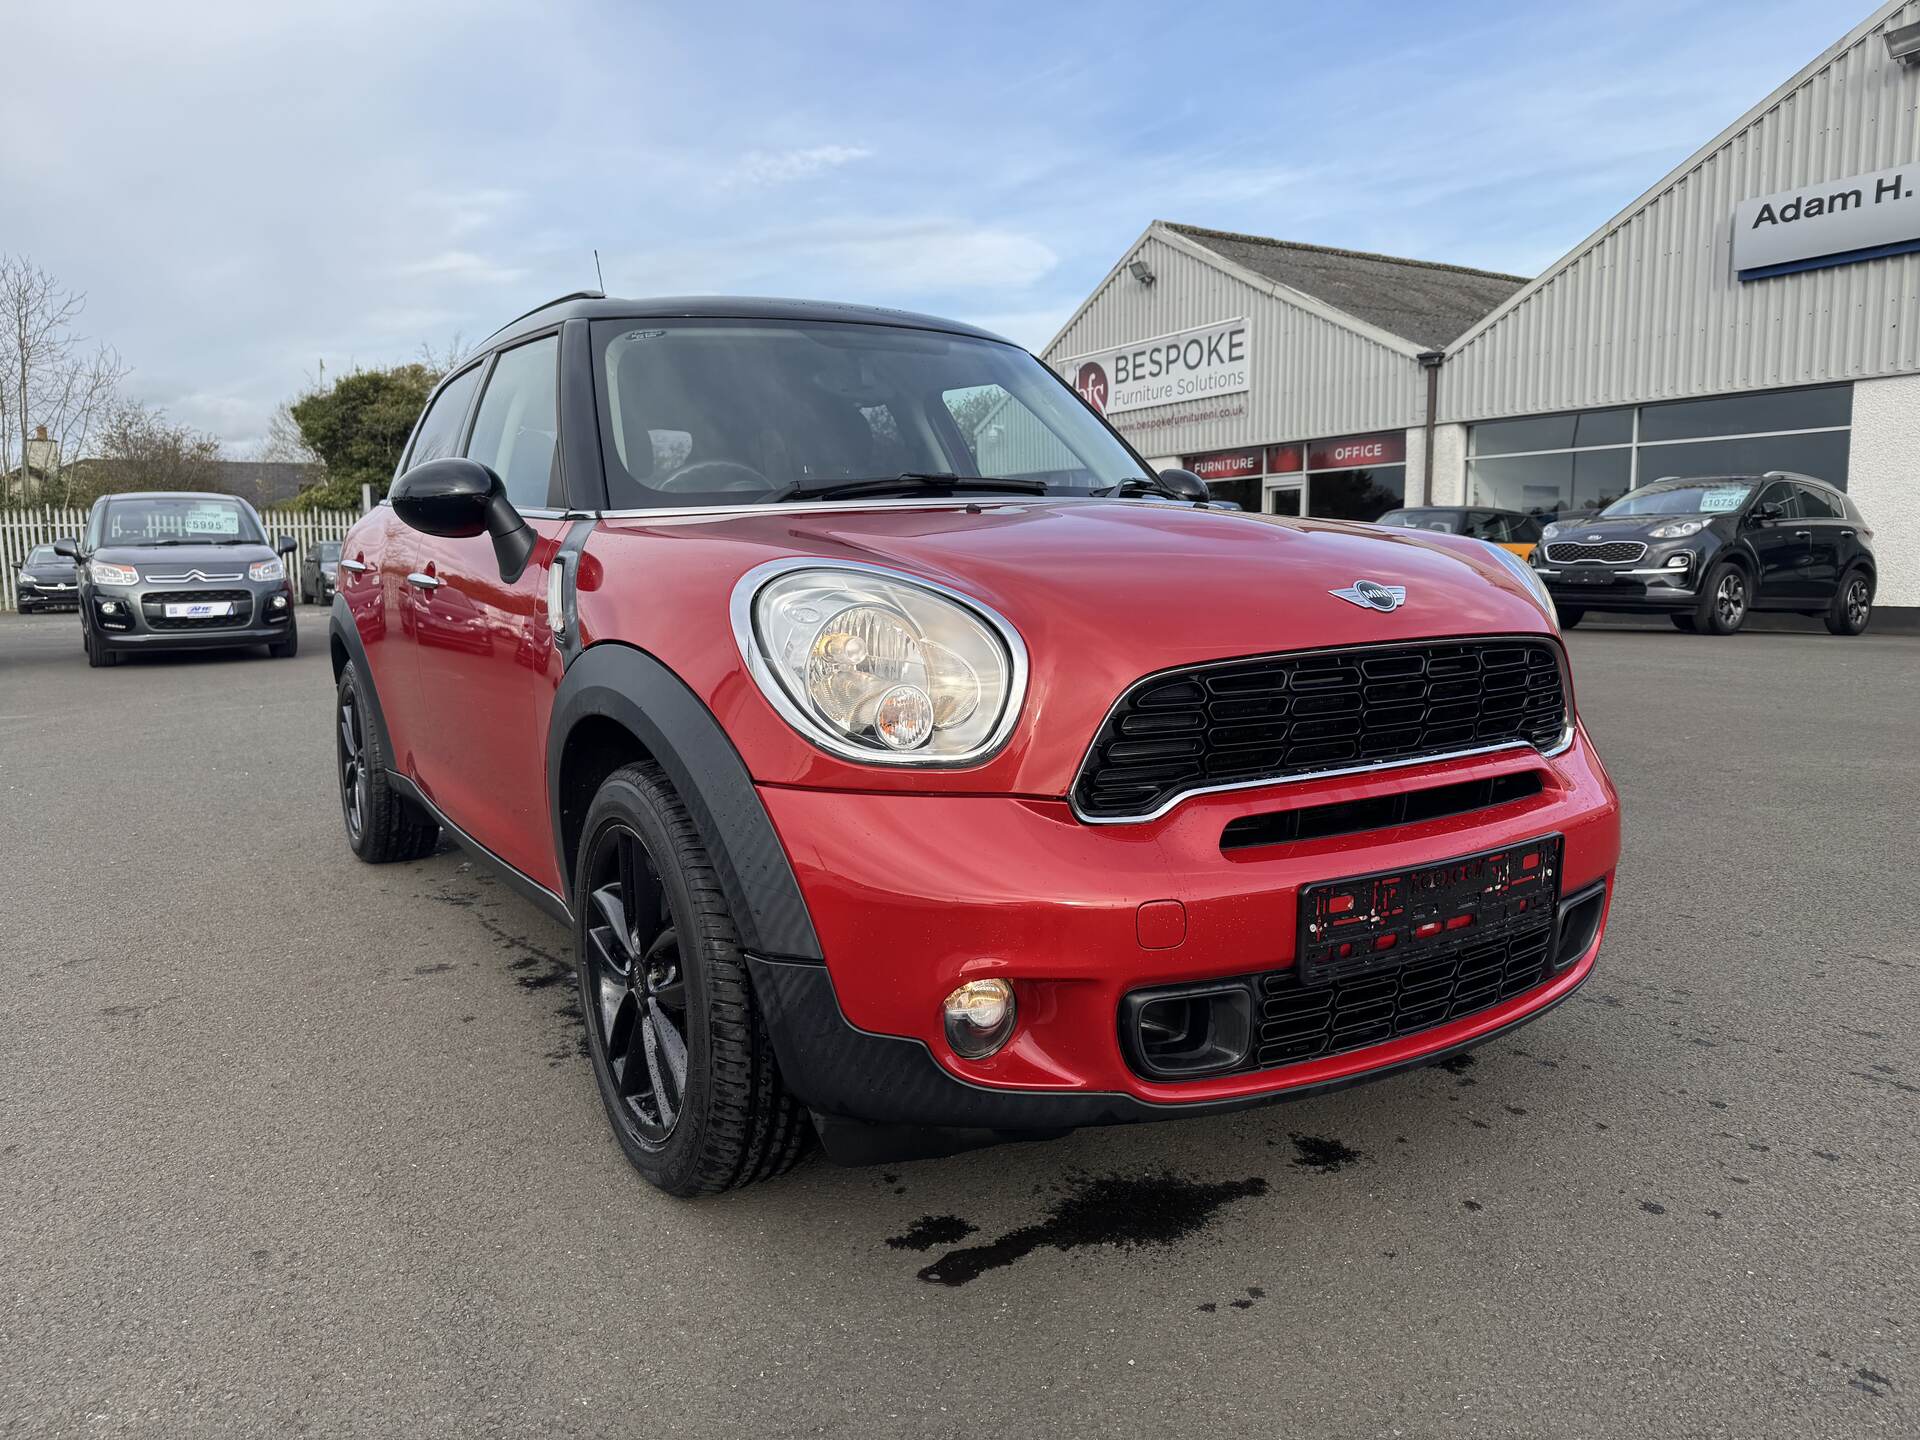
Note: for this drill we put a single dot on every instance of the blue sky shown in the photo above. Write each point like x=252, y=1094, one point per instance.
x=248, y=188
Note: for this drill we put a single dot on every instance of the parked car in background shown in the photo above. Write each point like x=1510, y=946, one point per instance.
x=318, y=569
x=47, y=581
x=1509, y=529
x=180, y=571
x=878, y=763
x=1707, y=550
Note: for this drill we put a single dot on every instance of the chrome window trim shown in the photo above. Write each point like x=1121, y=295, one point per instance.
x=1173, y=801
x=746, y=590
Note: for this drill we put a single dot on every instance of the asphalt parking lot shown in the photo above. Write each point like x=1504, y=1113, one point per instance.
x=289, y=1144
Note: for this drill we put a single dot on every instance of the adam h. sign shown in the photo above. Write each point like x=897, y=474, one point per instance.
x=1195, y=364
x=1836, y=222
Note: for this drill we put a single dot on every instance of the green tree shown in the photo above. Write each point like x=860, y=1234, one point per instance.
x=358, y=427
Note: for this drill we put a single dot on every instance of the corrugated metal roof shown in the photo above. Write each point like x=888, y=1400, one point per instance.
x=1420, y=300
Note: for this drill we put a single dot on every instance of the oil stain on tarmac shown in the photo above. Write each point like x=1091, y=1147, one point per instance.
x=1125, y=1212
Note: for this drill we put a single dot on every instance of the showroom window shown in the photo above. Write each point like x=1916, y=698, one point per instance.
x=1544, y=464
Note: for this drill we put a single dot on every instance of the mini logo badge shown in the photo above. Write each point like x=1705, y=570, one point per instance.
x=1372, y=595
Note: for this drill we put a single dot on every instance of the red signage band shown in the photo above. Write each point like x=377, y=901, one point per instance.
x=1224, y=464
x=1354, y=452
x=1283, y=459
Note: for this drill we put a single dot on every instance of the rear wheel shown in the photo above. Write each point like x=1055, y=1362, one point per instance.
x=1852, y=605
x=679, y=1050
x=382, y=824
x=1570, y=616
x=1722, y=608
x=1683, y=622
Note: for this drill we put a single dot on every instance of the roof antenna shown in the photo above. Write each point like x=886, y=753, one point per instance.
x=596, y=272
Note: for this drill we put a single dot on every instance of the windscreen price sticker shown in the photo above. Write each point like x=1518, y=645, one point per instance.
x=210, y=520
x=1715, y=502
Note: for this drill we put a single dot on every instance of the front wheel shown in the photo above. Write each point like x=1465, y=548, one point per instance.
x=679, y=1050
x=288, y=648
x=1570, y=616
x=1723, y=601
x=99, y=657
x=1852, y=605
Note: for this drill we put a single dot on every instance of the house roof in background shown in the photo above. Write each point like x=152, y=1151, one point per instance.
x=1420, y=300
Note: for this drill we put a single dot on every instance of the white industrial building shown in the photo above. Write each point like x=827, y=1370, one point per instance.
x=1756, y=309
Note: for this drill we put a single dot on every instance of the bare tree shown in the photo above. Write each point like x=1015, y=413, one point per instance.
x=284, y=442
x=49, y=380
x=138, y=448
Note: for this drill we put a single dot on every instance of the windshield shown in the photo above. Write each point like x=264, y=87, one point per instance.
x=1447, y=522
x=1681, y=497
x=730, y=412
x=179, y=520
x=40, y=555
x=327, y=551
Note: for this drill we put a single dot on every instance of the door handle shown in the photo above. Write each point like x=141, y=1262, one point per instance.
x=358, y=567
x=1803, y=534
x=425, y=581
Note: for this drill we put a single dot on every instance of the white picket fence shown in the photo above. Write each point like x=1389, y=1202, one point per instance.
x=22, y=530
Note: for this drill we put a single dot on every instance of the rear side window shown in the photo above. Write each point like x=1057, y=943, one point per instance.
x=514, y=432
x=1816, y=505
x=439, y=431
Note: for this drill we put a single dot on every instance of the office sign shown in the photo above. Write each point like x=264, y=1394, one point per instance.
x=1836, y=222
x=1195, y=364
x=1353, y=452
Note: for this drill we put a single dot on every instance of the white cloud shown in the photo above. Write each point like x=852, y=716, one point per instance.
x=781, y=167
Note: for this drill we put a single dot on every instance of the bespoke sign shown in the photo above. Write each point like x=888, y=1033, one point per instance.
x=1196, y=364
x=1836, y=222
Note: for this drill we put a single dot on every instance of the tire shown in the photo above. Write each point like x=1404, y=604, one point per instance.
x=673, y=984
x=1570, y=617
x=99, y=657
x=288, y=648
x=1683, y=622
x=1724, y=600
x=1852, y=607
x=382, y=825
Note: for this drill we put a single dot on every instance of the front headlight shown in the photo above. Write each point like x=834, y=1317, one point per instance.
x=1548, y=531
x=1524, y=572
x=877, y=667
x=274, y=569
x=1677, y=529
x=24, y=578
x=105, y=572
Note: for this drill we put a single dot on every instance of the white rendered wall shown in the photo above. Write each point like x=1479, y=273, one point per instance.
x=1883, y=477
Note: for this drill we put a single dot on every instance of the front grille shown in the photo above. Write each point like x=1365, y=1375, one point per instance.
x=1309, y=1022
x=1611, y=552
x=154, y=609
x=1281, y=717
x=1379, y=812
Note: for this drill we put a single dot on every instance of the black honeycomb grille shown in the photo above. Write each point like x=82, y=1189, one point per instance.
x=1281, y=716
x=1610, y=552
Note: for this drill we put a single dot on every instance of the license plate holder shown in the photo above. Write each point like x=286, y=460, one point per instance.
x=1367, y=924
x=198, y=609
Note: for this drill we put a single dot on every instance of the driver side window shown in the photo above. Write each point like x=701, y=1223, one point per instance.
x=515, y=431
x=1779, y=495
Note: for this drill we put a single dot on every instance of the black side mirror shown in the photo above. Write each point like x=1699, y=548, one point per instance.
x=459, y=498
x=1185, y=485
x=69, y=548
x=1763, y=514
x=286, y=545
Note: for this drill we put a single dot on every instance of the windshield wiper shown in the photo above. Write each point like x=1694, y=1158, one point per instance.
x=908, y=481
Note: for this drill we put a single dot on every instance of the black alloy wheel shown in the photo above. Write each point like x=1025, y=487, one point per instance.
x=1852, y=604
x=637, y=996
x=1722, y=608
x=352, y=751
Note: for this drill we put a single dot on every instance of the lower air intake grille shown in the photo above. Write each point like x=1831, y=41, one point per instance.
x=155, y=609
x=1278, y=717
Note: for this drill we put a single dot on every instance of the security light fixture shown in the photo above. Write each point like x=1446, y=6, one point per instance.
x=1903, y=44
x=1143, y=272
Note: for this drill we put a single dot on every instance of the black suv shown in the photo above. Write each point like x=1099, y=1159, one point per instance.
x=1706, y=550
x=46, y=581
x=183, y=571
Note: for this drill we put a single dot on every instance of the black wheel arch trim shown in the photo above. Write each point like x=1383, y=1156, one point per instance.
x=340, y=627
x=635, y=691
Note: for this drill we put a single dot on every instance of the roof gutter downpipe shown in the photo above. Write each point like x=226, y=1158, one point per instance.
x=1430, y=361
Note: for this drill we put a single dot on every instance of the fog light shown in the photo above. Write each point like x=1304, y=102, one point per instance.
x=979, y=1017
x=1678, y=562
x=279, y=602
x=109, y=607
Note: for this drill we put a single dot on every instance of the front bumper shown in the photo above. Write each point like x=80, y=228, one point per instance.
x=49, y=597
x=138, y=620
x=913, y=894
x=1648, y=584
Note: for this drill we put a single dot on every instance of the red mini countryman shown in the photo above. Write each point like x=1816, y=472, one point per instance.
x=918, y=769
